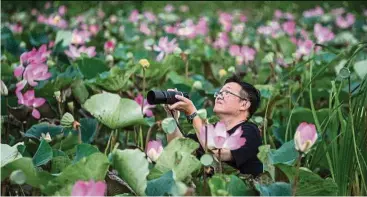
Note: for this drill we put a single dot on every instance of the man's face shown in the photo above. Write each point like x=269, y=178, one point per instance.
x=229, y=102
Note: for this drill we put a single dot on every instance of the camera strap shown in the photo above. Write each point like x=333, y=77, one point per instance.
x=178, y=125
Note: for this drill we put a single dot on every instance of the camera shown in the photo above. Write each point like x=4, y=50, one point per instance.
x=164, y=97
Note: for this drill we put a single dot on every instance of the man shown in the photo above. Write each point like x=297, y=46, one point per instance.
x=235, y=103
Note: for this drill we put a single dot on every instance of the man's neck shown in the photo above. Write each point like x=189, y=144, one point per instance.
x=230, y=121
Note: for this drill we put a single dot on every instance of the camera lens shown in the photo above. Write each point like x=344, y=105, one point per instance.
x=164, y=97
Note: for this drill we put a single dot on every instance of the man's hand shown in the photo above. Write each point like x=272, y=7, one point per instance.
x=184, y=104
x=175, y=113
x=225, y=154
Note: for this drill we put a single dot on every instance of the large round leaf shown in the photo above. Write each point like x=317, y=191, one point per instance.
x=94, y=167
x=9, y=153
x=177, y=156
x=132, y=167
x=114, y=111
x=34, y=177
x=309, y=183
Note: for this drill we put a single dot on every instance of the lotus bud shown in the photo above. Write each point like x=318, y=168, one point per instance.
x=57, y=95
x=305, y=137
x=46, y=137
x=71, y=106
x=3, y=89
x=109, y=58
x=107, y=34
x=222, y=73
x=232, y=69
x=22, y=44
x=50, y=63
x=144, y=63
x=129, y=55
x=154, y=150
x=198, y=85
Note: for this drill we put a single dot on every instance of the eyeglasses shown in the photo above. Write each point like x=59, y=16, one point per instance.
x=226, y=92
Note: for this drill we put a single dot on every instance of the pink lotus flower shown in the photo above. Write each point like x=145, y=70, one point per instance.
x=169, y=8
x=113, y=19
x=171, y=29
x=188, y=30
x=202, y=27
x=109, y=46
x=305, y=137
x=84, y=26
x=134, y=16
x=278, y=14
x=145, y=29
x=41, y=18
x=146, y=106
x=322, y=34
x=219, y=138
x=100, y=14
x=34, y=12
x=243, y=54
x=304, y=48
x=80, y=19
x=222, y=41
x=94, y=29
x=91, y=188
x=47, y=5
x=62, y=10
x=243, y=18
x=165, y=47
x=51, y=44
x=265, y=30
x=288, y=16
x=150, y=16
x=226, y=20
x=154, y=149
x=34, y=72
x=34, y=57
x=238, y=29
x=272, y=29
x=29, y=100
x=56, y=21
x=304, y=34
x=289, y=27
x=337, y=11
x=80, y=37
x=16, y=28
x=346, y=22
x=74, y=52
x=318, y=11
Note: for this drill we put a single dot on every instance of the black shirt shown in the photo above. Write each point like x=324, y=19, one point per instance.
x=245, y=158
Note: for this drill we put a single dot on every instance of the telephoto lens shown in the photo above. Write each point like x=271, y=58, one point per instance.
x=155, y=97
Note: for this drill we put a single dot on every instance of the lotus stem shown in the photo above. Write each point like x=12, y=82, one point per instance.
x=220, y=161
x=294, y=189
x=108, y=143
x=79, y=134
x=148, y=136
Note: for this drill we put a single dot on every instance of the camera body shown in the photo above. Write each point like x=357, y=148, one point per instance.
x=164, y=97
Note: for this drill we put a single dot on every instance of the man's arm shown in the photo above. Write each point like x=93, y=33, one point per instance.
x=188, y=108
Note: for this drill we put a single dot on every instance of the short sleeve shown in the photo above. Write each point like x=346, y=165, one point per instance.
x=251, y=147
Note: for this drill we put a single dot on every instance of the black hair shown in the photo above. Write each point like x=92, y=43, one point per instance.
x=248, y=91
